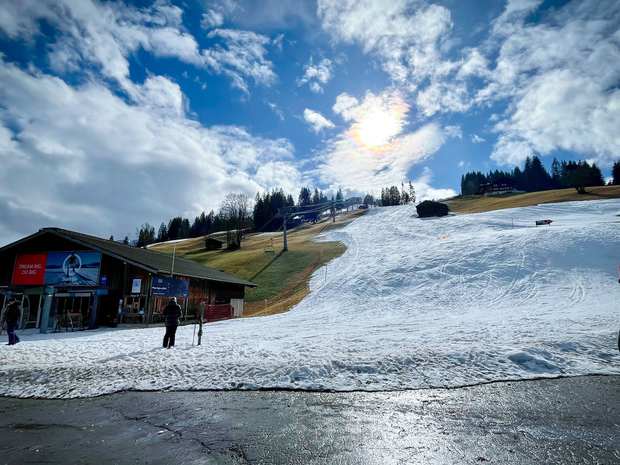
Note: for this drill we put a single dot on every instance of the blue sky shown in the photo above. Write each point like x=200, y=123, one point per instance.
x=114, y=114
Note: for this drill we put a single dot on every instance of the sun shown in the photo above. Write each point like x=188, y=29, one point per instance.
x=378, y=128
x=379, y=121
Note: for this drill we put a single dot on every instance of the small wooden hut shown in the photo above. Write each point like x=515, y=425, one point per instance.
x=213, y=244
x=430, y=208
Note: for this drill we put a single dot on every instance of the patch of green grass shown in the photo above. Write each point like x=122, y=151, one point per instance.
x=280, y=274
x=241, y=263
x=272, y=272
x=282, y=278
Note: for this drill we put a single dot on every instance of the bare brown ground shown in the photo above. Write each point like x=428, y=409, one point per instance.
x=480, y=203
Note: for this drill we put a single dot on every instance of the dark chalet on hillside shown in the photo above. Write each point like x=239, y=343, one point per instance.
x=213, y=244
x=500, y=186
x=90, y=281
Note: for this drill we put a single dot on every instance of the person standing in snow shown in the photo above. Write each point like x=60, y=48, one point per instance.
x=173, y=314
x=13, y=315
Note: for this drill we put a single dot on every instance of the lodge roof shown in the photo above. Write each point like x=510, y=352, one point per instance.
x=431, y=208
x=500, y=181
x=155, y=262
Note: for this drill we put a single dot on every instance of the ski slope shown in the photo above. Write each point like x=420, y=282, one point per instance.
x=413, y=303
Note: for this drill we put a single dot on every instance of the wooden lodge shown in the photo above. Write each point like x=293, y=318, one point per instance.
x=94, y=281
x=499, y=186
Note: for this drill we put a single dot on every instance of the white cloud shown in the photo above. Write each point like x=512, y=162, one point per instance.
x=317, y=75
x=424, y=191
x=444, y=96
x=560, y=76
x=453, y=131
x=279, y=175
x=409, y=38
x=80, y=151
x=245, y=54
x=477, y=139
x=277, y=42
x=360, y=168
x=375, y=151
x=317, y=121
x=315, y=87
x=346, y=106
x=217, y=12
x=212, y=19
x=515, y=12
x=105, y=34
x=276, y=109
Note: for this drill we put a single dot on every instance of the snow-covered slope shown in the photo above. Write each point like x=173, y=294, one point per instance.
x=412, y=303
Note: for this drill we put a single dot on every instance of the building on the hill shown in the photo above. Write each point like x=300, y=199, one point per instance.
x=500, y=186
x=93, y=281
x=213, y=244
x=430, y=208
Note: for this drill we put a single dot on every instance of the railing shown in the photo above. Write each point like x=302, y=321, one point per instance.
x=218, y=312
x=212, y=313
x=69, y=320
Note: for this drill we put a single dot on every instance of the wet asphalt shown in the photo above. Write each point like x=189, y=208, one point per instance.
x=563, y=421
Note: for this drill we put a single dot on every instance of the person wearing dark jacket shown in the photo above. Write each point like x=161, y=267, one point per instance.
x=173, y=314
x=13, y=315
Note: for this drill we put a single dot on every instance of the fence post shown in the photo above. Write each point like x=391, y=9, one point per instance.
x=202, y=312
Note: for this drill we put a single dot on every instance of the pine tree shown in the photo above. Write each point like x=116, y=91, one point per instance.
x=305, y=198
x=394, y=197
x=316, y=197
x=596, y=176
x=339, y=200
x=615, y=173
x=162, y=233
x=141, y=242
x=411, y=193
x=404, y=196
x=556, y=172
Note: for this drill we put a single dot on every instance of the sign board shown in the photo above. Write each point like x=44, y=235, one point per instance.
x=30, y=269
x=165, y=287
x=103, y=280
x=75, y=268
x=135, y=286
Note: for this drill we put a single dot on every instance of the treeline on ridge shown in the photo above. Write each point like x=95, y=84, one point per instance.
x=181, y=228
x=534, y=177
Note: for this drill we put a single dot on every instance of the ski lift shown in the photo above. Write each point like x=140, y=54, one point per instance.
x=270, y=248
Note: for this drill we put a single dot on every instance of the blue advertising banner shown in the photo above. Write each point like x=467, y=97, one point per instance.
x=165, y=287
x=75, y=268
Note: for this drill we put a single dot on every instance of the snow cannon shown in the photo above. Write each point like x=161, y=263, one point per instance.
x=543, y=222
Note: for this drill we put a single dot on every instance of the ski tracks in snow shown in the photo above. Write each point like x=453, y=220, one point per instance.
x=412, y=303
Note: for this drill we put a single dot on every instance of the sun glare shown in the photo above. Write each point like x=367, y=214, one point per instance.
x=378, y=128
x=379, y=122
